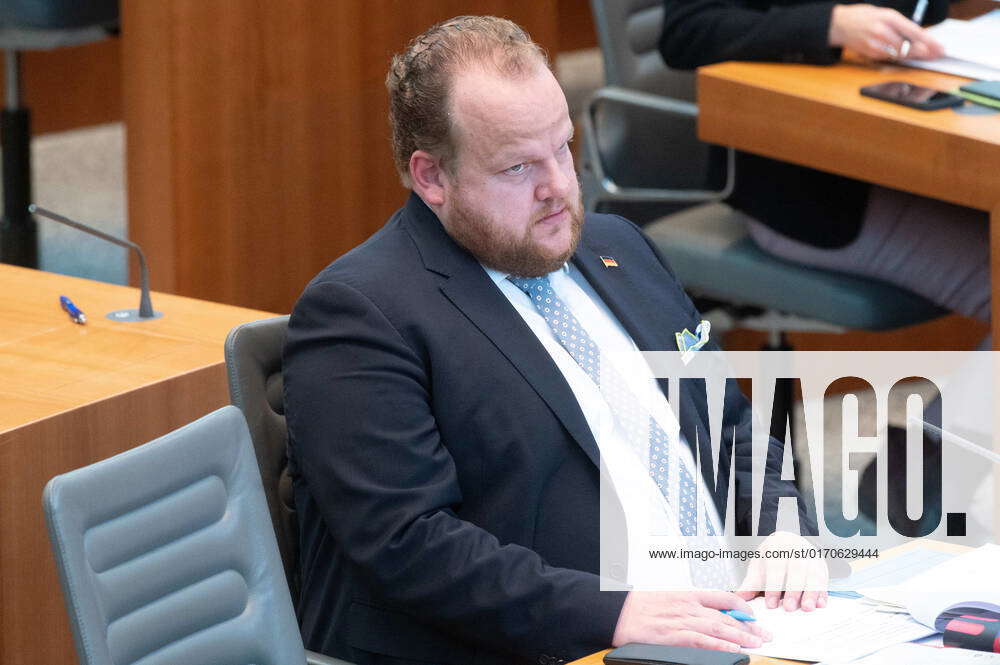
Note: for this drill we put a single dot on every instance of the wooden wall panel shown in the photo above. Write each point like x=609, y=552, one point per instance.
x=257, y=134
x=576, y=25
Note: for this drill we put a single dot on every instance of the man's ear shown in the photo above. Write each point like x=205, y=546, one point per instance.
x=428, y=177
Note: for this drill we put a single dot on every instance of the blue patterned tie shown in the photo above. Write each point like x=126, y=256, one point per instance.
x=629, y=414
x=639, y=427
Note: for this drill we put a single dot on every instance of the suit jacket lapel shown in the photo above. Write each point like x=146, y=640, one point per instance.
x=651, y=326
x=471, y=290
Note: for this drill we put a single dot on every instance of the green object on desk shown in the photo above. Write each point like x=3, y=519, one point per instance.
x=978, y=99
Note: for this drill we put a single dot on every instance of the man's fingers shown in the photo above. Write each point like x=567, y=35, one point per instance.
x=722, y=631
x=875, y=49
x=903, y=26
x=723, y=600
x=749, y=626
x=926, y=48
x=816, y=582
x=690, y=638
x=774, y=582
x=888, y=35
x=795, y=582
x=760, y=631
x=810, y=600
x=753, y=583
x=715, y=615
x=922, y=44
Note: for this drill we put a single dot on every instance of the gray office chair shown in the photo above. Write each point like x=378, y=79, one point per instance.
x=253, y=362
x=166, y=554
x=640, y=144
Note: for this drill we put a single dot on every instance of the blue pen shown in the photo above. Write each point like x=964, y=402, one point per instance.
x=854, y=595
x=739, y=616
x=76, y=315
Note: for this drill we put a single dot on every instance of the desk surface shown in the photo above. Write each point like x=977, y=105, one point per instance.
x=71, y=395
x=815, y=116
x=50, y=365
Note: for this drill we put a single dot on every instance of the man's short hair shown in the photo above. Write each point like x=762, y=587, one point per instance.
x=420, y=77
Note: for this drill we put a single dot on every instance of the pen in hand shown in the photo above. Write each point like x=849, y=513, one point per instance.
x=918, y=17
x=76, y=315
x=738, y=615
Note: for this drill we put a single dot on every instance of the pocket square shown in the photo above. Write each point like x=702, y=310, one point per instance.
x=689, y=342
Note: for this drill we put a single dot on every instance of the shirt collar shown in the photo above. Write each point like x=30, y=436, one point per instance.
x=497, y=276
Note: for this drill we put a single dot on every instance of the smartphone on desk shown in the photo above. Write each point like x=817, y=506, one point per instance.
x=655, y=654
x=914, y=96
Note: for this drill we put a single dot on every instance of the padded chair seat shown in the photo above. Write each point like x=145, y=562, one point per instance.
x=710, y=249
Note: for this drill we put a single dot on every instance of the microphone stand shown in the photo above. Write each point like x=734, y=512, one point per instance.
x=145, y=311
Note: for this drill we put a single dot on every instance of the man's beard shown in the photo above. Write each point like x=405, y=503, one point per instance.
x=496, y=248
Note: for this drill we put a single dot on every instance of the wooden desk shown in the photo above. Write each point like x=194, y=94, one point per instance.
x=815, y=116
x=71, y=395
x=598, y=658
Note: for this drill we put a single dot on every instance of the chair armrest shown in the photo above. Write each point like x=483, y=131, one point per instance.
x=658, y=103
x=313, y=658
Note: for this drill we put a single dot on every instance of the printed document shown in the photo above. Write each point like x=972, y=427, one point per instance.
x=843, y=631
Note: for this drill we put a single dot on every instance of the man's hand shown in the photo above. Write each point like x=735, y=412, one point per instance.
x=686, y=619
x=878, y=33
x=802, y=581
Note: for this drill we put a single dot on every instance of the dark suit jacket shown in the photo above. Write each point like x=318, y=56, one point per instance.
x=818, y=208
x=446, y=480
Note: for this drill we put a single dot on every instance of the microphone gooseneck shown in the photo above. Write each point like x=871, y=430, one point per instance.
x=145, y=311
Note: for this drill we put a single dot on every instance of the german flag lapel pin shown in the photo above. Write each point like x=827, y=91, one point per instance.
x=609, y=262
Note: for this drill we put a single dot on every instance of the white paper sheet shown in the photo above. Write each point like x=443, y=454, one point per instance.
x=917, y=654
x=843, y=631
x=970, y=48
x=893, y=571
x=968, y=580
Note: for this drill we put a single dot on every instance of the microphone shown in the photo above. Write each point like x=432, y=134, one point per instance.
x=145, y=311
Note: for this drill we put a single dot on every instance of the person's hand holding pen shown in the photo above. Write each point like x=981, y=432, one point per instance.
x=717, y=620
x=880, y=33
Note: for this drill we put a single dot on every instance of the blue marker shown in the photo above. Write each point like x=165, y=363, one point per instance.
x=739, y=616
x=75, y=314
x=854, y=595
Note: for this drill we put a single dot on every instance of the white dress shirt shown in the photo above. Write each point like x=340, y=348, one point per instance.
x=646, y=509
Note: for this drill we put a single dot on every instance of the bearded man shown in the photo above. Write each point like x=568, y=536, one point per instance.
x=446, y=445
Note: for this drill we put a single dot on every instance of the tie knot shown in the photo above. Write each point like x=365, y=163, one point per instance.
x=530, y=284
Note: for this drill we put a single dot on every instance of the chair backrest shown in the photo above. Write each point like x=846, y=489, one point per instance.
x=629, y=34
x=166, y=553
x=253, y=361
x=642, y=147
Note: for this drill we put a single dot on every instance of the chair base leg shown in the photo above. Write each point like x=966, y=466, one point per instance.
x=18, y=230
